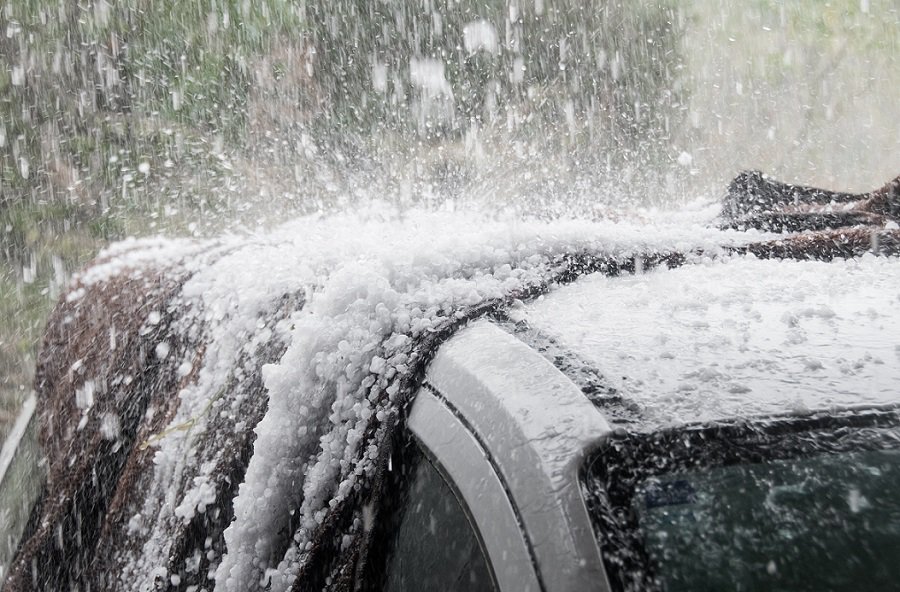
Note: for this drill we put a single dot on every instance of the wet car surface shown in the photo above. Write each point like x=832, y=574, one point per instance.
x=784, y=484
x=478, y=411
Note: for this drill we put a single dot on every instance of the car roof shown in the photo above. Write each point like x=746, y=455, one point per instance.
x=731, y=339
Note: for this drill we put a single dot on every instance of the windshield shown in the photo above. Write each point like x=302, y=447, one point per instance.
x=800, y=504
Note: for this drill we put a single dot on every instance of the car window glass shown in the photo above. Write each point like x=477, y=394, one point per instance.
x=797, y=503
x=433, y=546
x=830, y=522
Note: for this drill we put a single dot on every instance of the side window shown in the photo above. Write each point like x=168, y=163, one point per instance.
x=427, y=541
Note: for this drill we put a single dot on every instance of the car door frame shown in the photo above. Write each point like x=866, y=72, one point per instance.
x=512, y=434
x=466, y=466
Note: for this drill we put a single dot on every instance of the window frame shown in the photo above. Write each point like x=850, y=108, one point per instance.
x=466, y=461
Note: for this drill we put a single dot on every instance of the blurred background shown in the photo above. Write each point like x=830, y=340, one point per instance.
x=192, y=117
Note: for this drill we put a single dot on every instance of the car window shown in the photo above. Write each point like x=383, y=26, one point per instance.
x=830, y=522
x=427, y=539
x=795, y=503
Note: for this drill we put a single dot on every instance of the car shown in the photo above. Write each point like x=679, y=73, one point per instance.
x=737, y=479
x=606, y=420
